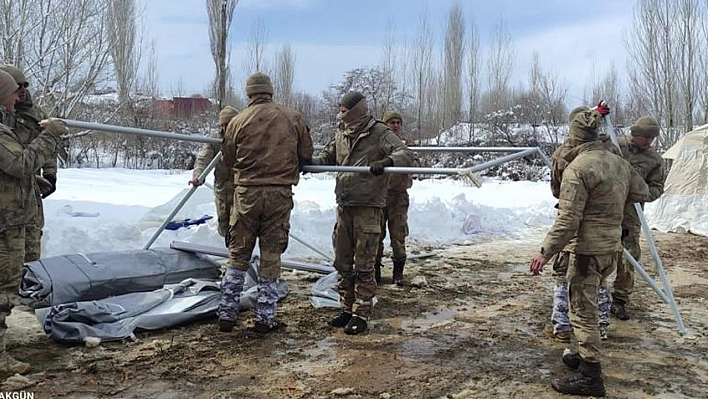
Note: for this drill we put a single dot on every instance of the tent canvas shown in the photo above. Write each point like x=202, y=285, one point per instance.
x=683, y=207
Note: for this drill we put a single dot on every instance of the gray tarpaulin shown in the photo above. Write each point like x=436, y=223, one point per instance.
x=120, y=316
x=79, y=277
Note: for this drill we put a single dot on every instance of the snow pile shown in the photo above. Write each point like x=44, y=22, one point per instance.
x=97, y=210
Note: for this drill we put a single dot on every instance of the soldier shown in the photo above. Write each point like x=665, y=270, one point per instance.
x=18, y=164
x=594, y=188
x=264, y=146
x=361, y=197
x=223, y=178
x=26, y=125
x=395, y=214
x=648, y=163
x=559, y=316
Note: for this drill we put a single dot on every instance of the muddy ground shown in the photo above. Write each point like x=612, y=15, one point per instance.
x=479, y=330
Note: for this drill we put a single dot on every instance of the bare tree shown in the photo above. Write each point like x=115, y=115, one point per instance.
x=151, y=80
x=388, y=66
x=454, y=54
x=474, y=65
x=499, y=68
x=122, y=32
x=14, y=23
x=255, y=58
x=665, y=45
x=285, y=74
x=422, y=71
x=221, y=14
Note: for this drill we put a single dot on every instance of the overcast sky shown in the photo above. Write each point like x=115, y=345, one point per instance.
x=576, y=40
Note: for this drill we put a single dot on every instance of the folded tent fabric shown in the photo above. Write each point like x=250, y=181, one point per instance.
x=84, y=277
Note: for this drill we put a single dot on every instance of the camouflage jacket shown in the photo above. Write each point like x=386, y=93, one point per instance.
x=650, y=166
x=223, y=178
x=373, y=143
x=18, y=164
x=594, y=188
x=264, y=143
x=400, y=182
x=26, y=126
x=559, y=163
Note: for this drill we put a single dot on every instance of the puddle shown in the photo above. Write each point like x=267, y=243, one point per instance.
x=435, y=319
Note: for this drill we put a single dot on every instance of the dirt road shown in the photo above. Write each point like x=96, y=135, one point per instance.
x=478, y=330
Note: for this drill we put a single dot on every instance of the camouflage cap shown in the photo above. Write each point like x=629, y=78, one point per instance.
x=8, y=85
x=645, y=127
x=351, y=99
x=227, y=114
x=14, y=72
x=392, y=115
x=576, y=111
x=259, y=83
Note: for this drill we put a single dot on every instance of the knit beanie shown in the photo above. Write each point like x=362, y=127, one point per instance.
x=259, y=83
x=14, y=72
x=645, y=127
x=350, y=99
x=8, y=85
x=576, y=111
x=226, y=114
x=392, y=115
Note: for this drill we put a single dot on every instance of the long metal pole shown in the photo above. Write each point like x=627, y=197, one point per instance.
x=652, y=245
x=184, y=200
x=428, y=171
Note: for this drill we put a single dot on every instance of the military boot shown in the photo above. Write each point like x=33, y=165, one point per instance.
x=377, y=273
x=587, y=383
x=572, y=360
x=341, y=320
x=229, y=301
x=356, y=325
x=619, y=310
x=398, y=272
x=10, y=365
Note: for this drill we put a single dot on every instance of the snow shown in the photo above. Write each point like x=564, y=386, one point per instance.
x=97, y=210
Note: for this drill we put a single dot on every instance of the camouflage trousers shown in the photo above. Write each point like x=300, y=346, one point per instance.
x=585, y=275
x=267, y=301
x=395, y=215
x=263, y=213
x=231, y=288
x=559, y=316
x=356, y=238
x=624, y=283
x=33, y=234
x=12, y=255
x=224, y=200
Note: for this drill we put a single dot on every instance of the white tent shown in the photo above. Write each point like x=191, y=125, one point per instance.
x=684, y=206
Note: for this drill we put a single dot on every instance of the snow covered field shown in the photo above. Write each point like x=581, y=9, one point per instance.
x=96, y=210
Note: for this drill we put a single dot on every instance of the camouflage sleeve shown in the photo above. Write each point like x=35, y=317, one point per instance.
x=556, y=173
x=304, y=141
x=397, y=151
x=21, y=162
x=639, y=191
x=49, y=168
x=571, y=203
x=206, y=155
x=328, y=155
x=655, y=180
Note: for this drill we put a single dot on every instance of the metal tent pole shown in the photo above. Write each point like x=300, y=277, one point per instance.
x=184, y=200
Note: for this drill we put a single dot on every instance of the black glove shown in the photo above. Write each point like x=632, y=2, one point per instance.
x=377, y=167
x=52, y=179
x=625, y=233
x=302, y=163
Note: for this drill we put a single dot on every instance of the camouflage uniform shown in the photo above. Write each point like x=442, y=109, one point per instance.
x=223, y=178
x=649, y=164
x=395, y=215
x=559, y=316
x=361, y=198
x=18, y=207
x=26, y=125
x=594, y=187
x=263, y=145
